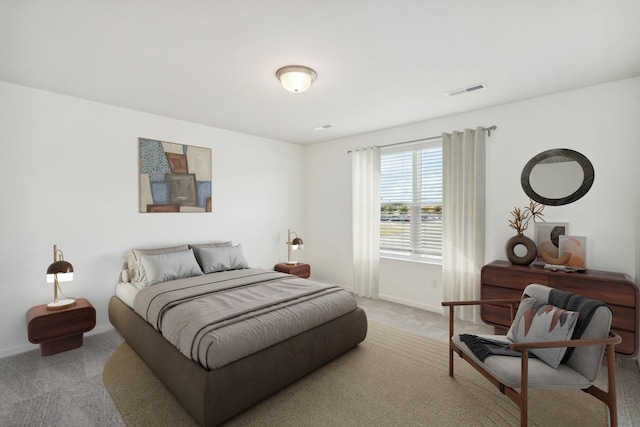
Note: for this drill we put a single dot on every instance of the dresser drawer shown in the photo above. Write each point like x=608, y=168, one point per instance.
x=512, y=279
x=607, y=292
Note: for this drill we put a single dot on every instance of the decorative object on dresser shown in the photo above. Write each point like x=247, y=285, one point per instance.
x=293, y=245
x=547, y=238
x=60, y=330
x=500, y=280
x=520, y=222
x=300, y=269
x=59, y=271
x=576, y=247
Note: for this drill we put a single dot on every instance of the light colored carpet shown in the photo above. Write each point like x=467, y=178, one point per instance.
x=392, y=378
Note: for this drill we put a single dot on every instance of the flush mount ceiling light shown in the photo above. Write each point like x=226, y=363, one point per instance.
x=296, y=78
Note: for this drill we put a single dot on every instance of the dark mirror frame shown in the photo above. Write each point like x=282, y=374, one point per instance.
x=587, y=182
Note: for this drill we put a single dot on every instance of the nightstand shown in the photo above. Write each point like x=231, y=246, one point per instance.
x=300, y=269
x=60, y=330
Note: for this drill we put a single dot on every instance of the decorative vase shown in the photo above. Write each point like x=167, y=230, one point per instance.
x=530, y=246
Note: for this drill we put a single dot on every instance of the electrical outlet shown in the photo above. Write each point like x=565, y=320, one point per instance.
x=434, y=284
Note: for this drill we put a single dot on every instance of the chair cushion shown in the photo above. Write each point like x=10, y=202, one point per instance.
x=507, y=369
x=537, y=321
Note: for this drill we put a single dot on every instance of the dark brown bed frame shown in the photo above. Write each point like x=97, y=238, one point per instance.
x=213, y=397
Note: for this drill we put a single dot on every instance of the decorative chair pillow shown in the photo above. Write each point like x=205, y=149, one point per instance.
x=537, y=321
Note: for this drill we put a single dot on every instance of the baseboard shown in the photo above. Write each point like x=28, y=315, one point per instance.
x=17, y=350
x=427, y=307
x=30, y=347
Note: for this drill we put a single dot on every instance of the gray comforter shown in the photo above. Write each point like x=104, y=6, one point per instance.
x=217, y=318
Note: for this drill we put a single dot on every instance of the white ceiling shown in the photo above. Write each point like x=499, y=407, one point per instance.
x=380, y=63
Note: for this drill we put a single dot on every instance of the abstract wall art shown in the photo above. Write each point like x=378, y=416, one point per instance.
x=174, y=177
x=547, y=238
x=577, y=247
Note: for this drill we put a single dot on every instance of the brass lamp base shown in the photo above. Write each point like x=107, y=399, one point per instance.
x=57, y=305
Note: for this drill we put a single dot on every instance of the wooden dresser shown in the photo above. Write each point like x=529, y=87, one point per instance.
x=501, y=279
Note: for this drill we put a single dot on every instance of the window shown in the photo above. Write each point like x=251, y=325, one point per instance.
x=411, y=202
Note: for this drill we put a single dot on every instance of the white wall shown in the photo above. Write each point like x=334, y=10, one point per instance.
x=69, y=177
x=602, y=122
x=69, y=173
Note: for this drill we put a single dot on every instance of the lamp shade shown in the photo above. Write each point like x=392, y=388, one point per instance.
x=59, y=271
x=296, y=78
x=297, y=243
x=62, y=269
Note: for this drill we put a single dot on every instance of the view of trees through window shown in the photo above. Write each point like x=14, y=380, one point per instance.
x=411, y=202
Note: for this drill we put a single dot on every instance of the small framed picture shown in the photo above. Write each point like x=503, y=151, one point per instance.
x=547, y=238
x=577, y=247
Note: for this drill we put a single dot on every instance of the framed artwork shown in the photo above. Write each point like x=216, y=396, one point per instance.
x=547, y=238
x=577, y=247
x=174, y=177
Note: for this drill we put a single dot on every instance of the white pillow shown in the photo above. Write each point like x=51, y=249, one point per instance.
x=124, y=276
x=221, y=258
x=164, y=267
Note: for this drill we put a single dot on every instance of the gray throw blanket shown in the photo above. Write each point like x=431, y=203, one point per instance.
x=484, y=347
x=574, y=302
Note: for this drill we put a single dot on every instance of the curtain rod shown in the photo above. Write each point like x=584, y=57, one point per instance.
x=488, y=129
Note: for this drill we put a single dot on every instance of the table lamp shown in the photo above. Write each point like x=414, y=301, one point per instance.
x=59, y=271
x=295, y=244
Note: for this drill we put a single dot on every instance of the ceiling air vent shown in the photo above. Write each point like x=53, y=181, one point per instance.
x=467, y=89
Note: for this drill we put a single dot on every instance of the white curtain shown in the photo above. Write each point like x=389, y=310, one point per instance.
x=366, y=221
x=463, y=170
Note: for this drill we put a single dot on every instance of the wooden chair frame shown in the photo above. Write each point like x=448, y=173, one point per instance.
x=520, y=398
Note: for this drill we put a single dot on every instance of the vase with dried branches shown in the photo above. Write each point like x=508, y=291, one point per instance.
x=520, y=222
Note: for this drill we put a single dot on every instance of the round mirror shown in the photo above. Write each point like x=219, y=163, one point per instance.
x=557, y=177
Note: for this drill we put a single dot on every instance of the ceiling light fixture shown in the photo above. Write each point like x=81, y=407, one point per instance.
x=296, y=78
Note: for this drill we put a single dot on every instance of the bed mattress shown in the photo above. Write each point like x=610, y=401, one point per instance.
x=215, y=319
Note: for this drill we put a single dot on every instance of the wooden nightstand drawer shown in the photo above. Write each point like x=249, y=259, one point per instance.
x=300, y=269
x=60, y=330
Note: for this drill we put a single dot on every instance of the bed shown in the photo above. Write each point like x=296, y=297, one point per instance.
x=222, y=336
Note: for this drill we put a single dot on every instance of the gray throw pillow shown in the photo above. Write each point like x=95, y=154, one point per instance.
x=133, y=258
x=221, y=258
x=164, y=267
